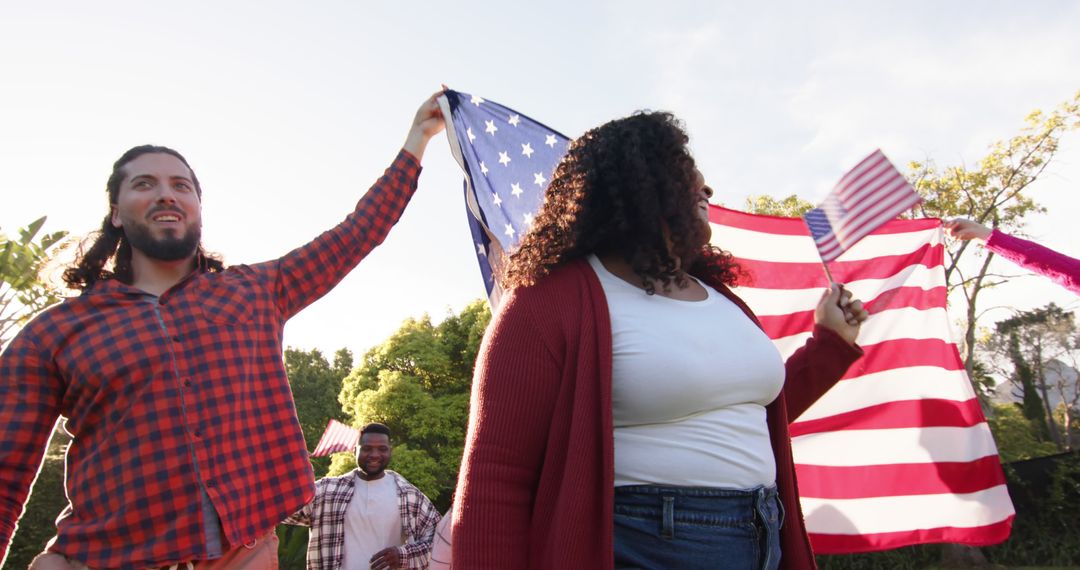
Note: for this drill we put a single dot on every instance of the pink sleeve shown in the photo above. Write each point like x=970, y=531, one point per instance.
x=1062, y=269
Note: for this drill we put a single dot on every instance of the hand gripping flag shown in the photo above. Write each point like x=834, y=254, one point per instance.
x=873, y=193
x=898, y=452
x=508, y=160
x=337, y=437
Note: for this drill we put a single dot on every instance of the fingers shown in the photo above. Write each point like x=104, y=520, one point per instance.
x=832, y=294
x=51, y=561
x=854, y=311
x=964, y=229
x=385, y=559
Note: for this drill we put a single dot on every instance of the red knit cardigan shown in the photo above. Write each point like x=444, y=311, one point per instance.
x=536, y=485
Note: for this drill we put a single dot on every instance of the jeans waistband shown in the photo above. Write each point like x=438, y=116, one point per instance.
x=755, y=494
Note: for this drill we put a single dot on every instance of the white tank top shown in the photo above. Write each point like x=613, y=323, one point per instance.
x=690, y=382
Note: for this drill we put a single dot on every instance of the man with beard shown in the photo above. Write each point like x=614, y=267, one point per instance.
x=186, y=448
x=365, y=519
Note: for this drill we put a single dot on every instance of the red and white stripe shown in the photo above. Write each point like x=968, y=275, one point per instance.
x=337, y=437
x=871, y=194
x=898, y=452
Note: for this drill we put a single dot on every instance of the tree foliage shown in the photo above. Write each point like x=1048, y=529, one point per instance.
x=790, y=207
x=996, y=192
x=23, y=293
x=1015, y=435
x=316, y=384
x=1040, y=349
x=417, y=382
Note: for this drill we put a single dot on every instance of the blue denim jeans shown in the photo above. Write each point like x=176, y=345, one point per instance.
x=658, y=527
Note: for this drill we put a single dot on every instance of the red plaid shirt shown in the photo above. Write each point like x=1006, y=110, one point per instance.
x=153, y=385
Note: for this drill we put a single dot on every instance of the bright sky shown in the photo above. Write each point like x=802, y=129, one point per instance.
x=288, y=111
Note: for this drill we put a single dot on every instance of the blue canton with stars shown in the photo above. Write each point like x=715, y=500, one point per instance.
x=508, y=161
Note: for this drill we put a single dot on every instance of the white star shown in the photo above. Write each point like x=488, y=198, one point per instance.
x=472, y=137
x=516, y=190
x=480, y=250
x=514, y=120
x=483, y=169
x=504, y=159
x=527, y=218
x=527, y=150
x=549, y=140
x=476, y=100
x=491, y=128
x=538, y=179
x=509, y=231
x=496, y=199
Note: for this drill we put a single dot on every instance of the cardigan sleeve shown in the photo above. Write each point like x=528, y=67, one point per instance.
x=816, y=367
x=515, y=386
x=1062, y=269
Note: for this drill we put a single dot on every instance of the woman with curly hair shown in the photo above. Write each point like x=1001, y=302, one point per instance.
x=627, y=410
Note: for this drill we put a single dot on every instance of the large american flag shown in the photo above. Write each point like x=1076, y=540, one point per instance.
x=898, y=452
x=508, y=160
x=871, y=194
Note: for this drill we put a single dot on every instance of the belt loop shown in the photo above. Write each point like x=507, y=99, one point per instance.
x=667, y=530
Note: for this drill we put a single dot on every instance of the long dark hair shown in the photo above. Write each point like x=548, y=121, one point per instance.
x=110, y=244
x=615, y=191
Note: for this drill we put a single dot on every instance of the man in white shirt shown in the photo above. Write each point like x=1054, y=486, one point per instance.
x=370, y=517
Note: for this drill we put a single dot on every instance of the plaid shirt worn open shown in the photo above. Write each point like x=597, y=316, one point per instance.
x=326, y=517
x=164, y=394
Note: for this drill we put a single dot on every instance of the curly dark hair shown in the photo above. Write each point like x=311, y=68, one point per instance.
x=109, y=242
x=614, y=193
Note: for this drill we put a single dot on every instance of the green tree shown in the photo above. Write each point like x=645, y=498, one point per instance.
x=790, y=207
x=1036, y=344
x=995, y=192
x=23, y=293
x=417, y=382
x=316, y=384
x=1016, y=435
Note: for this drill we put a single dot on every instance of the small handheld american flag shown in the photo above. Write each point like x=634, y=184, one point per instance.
x=871, y=194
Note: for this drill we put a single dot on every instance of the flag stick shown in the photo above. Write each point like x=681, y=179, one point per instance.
x=828, y=274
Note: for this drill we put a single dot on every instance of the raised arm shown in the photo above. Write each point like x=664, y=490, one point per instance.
x=310, y=271
x=1061, y=269
x=826, y=356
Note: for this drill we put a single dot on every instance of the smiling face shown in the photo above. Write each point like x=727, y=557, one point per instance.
x=158, y=207
x=373, y=455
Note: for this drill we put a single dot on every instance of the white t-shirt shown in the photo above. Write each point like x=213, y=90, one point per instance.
x=690, y=382
x=372, y=521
